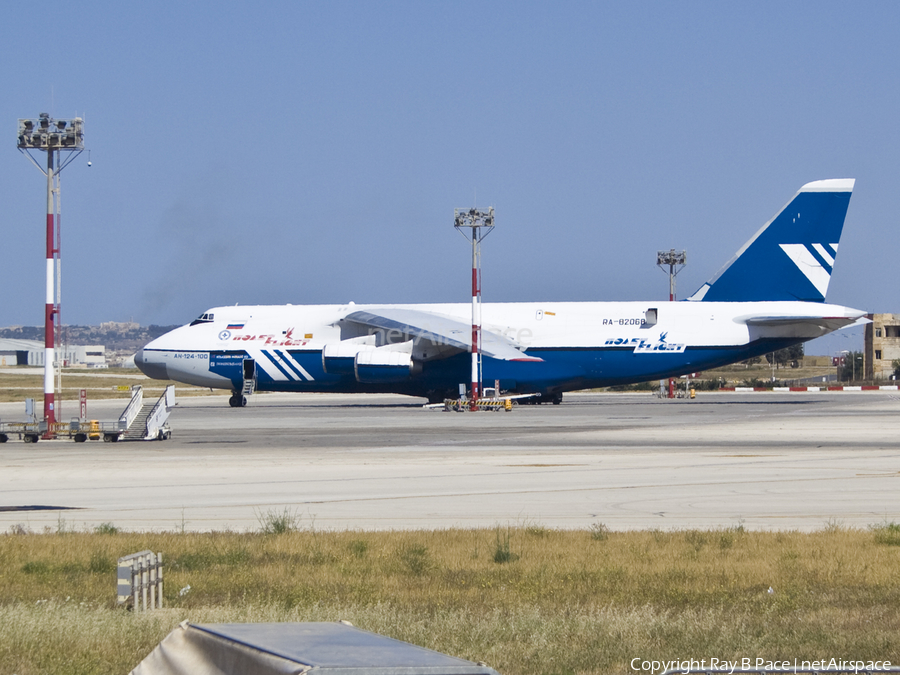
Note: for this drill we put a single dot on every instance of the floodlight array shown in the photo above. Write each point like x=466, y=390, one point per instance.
x=473, y=218
x=45, y=133
x=671, y=257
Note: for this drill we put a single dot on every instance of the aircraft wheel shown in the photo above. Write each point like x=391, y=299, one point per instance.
x=237, y=401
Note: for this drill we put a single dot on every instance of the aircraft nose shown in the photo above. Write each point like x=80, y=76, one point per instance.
x=149, y=367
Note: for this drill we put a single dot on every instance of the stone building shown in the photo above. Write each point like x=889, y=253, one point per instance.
x=882, y=345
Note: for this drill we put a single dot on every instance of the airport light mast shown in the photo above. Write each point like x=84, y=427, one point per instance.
x=55, y=137
x=475, y=224
x=675, y=260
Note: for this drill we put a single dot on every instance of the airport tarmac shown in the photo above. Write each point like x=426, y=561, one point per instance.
x=761, y=460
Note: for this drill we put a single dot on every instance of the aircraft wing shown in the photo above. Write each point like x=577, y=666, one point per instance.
x=438, y=329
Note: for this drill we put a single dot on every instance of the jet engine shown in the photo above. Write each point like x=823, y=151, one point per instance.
x=368, y=363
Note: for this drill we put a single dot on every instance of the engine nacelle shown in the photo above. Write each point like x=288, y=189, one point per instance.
x=383, y=365
x=340, y=358
x=368, y=363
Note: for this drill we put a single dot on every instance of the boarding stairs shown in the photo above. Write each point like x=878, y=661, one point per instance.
x=138, y=428
x=147, y=421
x=249, y=372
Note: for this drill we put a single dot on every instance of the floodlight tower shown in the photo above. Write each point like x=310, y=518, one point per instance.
x=675, y=261
x=55, y=137
x=475, y=224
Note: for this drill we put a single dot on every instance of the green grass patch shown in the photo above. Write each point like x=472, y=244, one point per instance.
x=278, y=522
x=887, y=534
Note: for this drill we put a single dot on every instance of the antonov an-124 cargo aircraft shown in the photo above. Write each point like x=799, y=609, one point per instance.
x=769, y=296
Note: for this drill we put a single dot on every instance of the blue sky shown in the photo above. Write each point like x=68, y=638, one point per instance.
x=306, y=152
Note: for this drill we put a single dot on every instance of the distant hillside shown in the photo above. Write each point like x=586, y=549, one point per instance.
x=115, y=336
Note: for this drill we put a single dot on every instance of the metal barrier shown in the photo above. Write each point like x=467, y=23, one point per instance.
x=140, y=575
x=462, y=404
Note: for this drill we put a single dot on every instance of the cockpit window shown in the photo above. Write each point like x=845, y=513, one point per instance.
x=203, y=318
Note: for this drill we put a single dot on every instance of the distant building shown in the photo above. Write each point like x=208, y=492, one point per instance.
x=20, y=352
x=31, y=353
x=882, y=345
x=120, y=326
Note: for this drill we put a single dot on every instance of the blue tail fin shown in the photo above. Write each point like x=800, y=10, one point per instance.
x=792, y=256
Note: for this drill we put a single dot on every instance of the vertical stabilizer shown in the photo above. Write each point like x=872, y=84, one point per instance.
x=792, y=256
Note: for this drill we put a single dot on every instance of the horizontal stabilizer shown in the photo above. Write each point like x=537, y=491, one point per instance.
x=827, y=323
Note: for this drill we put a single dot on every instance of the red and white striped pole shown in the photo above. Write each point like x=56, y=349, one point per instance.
x=476, y=319
x=49, y=307
x=671, y=299
x=474, y=220
x=52, y=136
x=673, y=259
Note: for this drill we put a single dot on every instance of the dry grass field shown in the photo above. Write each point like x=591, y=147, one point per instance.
x=525, y=599
x=100, y=384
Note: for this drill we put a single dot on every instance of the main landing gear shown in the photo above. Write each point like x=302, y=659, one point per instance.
x=237, y=400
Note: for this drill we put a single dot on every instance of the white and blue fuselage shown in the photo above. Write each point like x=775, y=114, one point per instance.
x=771, y=295
x=579, y=344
